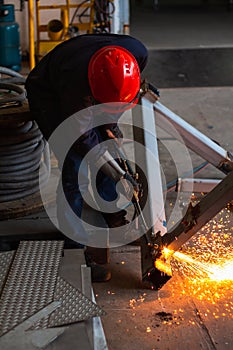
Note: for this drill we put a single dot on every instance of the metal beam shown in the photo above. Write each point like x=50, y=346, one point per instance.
x=148, y=166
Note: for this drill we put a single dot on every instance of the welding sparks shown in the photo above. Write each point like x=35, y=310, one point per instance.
x=224, y=272
x=206, y=256
x=214, y=272
x=206, y=266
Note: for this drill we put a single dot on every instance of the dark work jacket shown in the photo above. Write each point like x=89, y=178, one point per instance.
x=58, y=86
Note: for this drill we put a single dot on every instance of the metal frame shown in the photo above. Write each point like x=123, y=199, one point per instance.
x=196, y=217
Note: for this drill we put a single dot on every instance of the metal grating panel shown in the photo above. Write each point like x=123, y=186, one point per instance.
x=75, y=306
x=31, y=282
x=5, y=262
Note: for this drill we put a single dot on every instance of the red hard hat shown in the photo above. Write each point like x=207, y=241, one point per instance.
x=114, y=75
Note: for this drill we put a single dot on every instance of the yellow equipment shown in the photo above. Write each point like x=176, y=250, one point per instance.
x=57, y=30
x=61, y=24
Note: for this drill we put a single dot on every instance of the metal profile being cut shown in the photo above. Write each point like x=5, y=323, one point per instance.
x=155, y=240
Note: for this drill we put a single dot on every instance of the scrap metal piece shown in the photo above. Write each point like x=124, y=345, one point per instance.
x=30, y=283
x=32, y=292
x=20, y=338
x=75, y=306
x=5, y=263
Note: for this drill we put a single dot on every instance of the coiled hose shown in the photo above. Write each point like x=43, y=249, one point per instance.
x=23, y=150
x=15, y=77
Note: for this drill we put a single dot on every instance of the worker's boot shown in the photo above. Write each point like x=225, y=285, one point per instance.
x=98, y=273
x=101, y=273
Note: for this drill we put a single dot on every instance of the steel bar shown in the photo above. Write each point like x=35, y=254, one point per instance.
x=148, y=166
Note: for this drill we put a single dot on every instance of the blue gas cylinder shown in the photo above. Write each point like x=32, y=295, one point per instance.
x=10, y=50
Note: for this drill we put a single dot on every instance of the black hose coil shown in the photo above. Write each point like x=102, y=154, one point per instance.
x=19, y=168
x=23, y=150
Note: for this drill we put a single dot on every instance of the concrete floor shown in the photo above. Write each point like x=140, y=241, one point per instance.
x=173, y=318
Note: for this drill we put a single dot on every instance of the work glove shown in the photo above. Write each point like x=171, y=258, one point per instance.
x=107, y=164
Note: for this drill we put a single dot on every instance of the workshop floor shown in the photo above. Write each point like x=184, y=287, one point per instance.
x=175, y=317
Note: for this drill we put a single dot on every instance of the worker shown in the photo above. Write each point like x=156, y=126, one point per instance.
x=87, y=70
